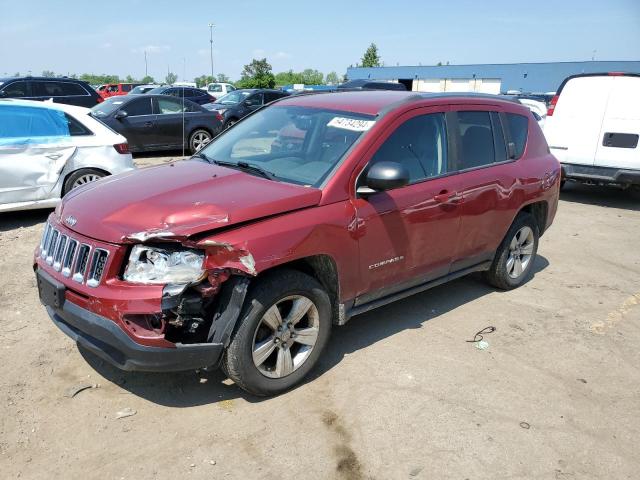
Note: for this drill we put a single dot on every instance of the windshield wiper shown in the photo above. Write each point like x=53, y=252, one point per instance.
x=248, y=167
x=201, y=156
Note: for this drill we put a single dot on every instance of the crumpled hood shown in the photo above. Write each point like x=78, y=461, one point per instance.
x=175, y=201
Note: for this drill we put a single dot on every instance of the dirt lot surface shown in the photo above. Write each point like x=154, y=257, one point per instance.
x=399, y=393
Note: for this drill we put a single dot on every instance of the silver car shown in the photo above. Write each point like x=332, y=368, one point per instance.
x=47, y=149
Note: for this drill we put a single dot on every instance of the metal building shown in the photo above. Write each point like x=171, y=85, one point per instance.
x=489, y=78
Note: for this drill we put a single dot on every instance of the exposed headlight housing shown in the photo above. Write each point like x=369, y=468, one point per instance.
x=152, y=265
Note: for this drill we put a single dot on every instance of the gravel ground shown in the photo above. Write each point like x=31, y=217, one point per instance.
x=399, y=393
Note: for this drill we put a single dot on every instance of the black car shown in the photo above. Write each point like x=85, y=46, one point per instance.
x=239, y=103
x=193, y=94
x=362, y=84
x=154, y=122
x=61, y=90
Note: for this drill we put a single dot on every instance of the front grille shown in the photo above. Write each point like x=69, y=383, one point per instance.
x=80, y=261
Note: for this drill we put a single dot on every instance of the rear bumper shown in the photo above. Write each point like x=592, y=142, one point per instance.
x=602, y=175
x=104, y=338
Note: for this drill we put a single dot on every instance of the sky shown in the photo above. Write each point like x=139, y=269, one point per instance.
x=68, y=36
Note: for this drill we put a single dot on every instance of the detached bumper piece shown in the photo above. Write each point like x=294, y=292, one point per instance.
x=600, y=175
x=108, y=341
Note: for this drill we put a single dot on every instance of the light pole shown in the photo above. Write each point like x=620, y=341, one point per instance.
x=146, y=65
x=211, y=25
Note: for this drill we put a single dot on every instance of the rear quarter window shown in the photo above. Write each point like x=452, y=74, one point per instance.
x=518, y=130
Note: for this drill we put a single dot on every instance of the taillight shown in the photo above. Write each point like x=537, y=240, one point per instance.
x=552, y=105
x=220, y=117
x=122, y=148
x=615, y=74
x=100, y=99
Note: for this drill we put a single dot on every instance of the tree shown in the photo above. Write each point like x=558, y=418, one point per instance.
x=332, y=78
x=203, y=80
x=288, y=78
x=171, y=78
x=257, y=74
x=148, y=80
x=48, y=73
x=129, y=79
x=222, y=78
x=312, y=77
x=371, y=57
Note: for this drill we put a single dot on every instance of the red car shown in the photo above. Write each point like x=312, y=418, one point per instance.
x=116, y=89
x=246, y=254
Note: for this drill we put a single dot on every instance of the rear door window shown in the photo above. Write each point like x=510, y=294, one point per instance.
x=420, y=144
x=518, y=131
x=24, y=125
x=476, y=147
x=72, y=89
x=169, y=105
x=126, y=88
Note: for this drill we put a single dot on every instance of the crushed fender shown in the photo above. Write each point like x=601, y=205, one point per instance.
x=222, y=255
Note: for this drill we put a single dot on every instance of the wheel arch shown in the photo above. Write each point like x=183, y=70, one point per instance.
x=539, y=211
x=76, y=170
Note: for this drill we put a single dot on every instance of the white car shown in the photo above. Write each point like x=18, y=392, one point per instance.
x=218, y=90
x=538, y=108
x=47, y=149
x=593, y=126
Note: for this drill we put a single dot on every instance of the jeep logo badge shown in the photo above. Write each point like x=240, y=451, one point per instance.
x=71, y=220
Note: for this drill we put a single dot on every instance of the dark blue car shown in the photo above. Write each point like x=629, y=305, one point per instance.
x=194, y=94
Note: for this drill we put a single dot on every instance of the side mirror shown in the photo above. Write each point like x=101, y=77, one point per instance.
x=384, y=176
x=3, y=94
x=120, y=114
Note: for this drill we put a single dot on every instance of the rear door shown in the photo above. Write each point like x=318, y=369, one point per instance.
x=618, y=140
x=35, y=145
x=408, y=234
x=573, y=131
x=169, y=121
x=486, y=178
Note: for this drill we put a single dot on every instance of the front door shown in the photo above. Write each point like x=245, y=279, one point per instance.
x=139, y=124
x=408, y=234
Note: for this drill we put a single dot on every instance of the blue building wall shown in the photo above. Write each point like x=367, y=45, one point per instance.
x=526, y=77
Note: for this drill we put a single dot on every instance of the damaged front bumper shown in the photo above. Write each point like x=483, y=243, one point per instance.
x=108, y=341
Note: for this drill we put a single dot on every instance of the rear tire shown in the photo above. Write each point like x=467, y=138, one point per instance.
x=81, y=177
x=198, y=140
x=230, y=123
x=271, y=351
x=516, y=254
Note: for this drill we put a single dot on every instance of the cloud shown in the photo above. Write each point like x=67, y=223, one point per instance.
x=258, y=52
x=282, y=55
x=106, y=45
x=151, y=49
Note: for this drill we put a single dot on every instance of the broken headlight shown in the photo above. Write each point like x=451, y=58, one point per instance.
x=159, y=265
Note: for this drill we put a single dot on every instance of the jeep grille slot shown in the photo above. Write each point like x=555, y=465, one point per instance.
x=59, y=251
x=81, y=263
x=67, y=259
x=45, y=239
x=98, y=263
x=51, y=246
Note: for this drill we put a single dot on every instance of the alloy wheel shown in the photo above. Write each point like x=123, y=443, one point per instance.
x=520, y=252
x=285, y=336
x=200, y=139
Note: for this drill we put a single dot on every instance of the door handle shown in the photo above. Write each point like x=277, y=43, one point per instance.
x=148, y=124
x=445, y=197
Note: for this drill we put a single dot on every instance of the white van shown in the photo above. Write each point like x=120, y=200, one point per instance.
x=592, y=128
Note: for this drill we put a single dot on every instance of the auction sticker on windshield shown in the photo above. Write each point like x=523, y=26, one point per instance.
x=352, y=124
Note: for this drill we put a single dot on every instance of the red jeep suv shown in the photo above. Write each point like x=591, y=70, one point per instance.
x=307, y=212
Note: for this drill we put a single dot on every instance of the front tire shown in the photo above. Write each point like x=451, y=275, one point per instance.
x=516, y=254
x=81, y=177
x=283, y=329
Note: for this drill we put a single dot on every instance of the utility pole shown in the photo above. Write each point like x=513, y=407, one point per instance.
x=146, y=65
x=211, y=25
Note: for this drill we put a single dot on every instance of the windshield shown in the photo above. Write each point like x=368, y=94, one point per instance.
x=234, y=97
x=107, y=107
x=296, y=144
x=141, y=89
